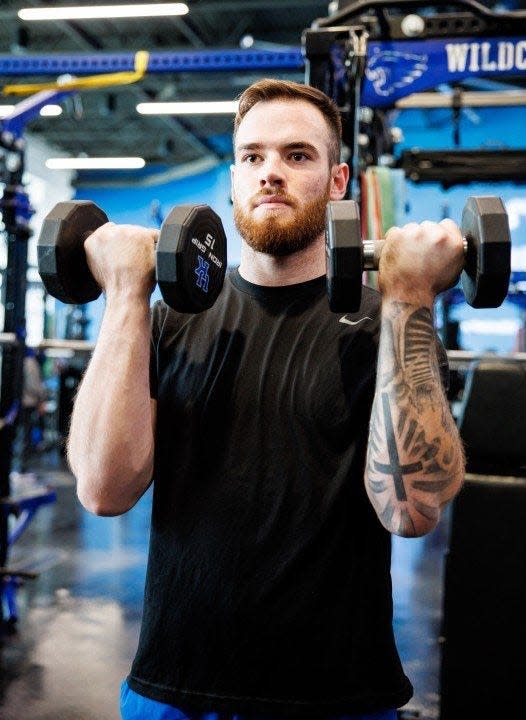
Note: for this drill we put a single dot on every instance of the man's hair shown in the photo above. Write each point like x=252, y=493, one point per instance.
x=271, y=89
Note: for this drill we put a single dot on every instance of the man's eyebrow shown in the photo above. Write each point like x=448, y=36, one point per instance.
x=248, y=146
x=301, y=145
x=294, y=145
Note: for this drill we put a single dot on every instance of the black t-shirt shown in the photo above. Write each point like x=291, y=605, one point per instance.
x=268, y=587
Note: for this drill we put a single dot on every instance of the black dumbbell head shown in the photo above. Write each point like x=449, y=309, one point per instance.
x=191, y=258
x=486, y=276
x=61, y=257
x=344, y=255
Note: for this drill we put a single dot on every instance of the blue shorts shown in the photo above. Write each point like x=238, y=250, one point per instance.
x=137, y=707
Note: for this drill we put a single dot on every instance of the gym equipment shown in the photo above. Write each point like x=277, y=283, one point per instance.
x=23, y=506
x=487, y=246
x=191, y=258
x=190, y=255
x=372, y=55
x=16, y=212
x=491, y=415
x=483, y=630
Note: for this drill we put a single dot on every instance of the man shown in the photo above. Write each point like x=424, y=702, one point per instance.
x=268, y=590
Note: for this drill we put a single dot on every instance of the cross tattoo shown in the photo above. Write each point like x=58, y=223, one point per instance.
x=394, y=468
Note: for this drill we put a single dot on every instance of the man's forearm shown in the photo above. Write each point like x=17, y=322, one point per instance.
x=110, y=445
x=415, y=461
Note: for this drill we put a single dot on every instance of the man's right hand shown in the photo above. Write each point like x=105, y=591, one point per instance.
x=122, y=259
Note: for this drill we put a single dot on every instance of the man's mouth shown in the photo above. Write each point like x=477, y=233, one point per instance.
x=271, y=200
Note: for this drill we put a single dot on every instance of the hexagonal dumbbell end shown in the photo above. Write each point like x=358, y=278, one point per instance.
x=61, y=256
x=344, y=255
x=486, y=276
x=191, y=258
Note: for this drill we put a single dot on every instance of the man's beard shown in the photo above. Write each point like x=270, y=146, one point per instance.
x=278, y=236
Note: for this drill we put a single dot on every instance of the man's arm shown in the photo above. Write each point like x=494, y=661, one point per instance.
x=415, y=462
x=111, y=438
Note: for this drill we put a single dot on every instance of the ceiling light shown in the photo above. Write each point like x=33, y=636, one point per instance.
x=246, y=42
x=221, y=107
x=103, y=11
x=51, y=111
x=94, y=163
x=6, y=110
x=46, y=111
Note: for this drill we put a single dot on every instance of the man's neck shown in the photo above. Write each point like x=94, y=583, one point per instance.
x=271, y=271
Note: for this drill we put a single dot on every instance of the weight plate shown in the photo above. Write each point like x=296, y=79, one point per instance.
x=486, y=276
x=191, y=258
x=344, y=256
x=61, y=257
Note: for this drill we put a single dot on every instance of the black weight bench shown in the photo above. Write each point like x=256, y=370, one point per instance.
x=491, y=416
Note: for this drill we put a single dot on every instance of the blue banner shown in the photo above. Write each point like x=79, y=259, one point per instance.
x=399, y=68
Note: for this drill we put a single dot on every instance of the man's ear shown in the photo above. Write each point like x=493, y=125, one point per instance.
x=339, y=180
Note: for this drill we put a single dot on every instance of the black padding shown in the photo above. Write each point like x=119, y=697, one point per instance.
x=483, y=653
x=492, y=416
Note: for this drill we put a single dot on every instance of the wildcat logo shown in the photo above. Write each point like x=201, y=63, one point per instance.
x=384, y=66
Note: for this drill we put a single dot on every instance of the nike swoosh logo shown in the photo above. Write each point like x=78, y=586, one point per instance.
x=346, y=321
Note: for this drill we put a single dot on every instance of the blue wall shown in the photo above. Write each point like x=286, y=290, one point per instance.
x=430, y=129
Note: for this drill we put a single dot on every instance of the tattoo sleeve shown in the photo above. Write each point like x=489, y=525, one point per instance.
x=415, y=461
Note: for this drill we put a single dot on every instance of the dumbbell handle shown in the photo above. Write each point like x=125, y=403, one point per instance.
x=372, y=249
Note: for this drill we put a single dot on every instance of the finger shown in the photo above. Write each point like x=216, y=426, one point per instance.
x=397, y=231
x=451, y=227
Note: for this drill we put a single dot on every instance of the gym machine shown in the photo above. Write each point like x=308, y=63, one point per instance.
x=16, y=212
x=372, y=56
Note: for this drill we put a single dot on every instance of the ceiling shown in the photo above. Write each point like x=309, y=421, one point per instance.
x=105, y=122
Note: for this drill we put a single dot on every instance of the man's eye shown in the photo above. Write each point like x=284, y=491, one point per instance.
x=298, y=156
x=250, y=158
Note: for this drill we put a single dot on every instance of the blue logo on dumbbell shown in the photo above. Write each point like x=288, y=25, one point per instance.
x=201, y=271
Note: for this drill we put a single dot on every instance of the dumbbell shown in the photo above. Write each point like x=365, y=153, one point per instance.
x=190, y=256
x=487, y=246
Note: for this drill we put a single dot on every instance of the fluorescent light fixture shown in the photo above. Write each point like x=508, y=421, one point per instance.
x=220, y=107
x=91, y=12
x=95, y=163
x=51, y=111
x=46, y=111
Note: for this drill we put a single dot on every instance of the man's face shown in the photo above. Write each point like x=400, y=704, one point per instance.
x=281, y=180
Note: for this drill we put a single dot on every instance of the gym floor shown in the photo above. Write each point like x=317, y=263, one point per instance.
x=79, y=620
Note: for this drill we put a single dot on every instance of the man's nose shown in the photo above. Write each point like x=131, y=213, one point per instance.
x=272, y=173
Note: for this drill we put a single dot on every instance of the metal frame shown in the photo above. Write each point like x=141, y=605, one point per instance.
x=414, y=65
x=16, y=212
x=24, y=508
x=158, y=62
x=50, y=344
